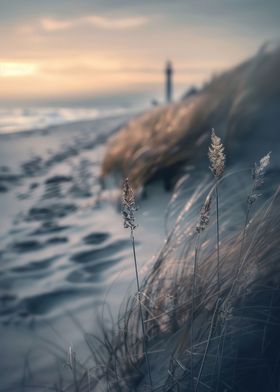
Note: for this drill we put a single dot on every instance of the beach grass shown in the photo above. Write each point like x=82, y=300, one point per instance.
x=208, y=308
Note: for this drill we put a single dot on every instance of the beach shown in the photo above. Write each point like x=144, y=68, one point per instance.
x=64, y=253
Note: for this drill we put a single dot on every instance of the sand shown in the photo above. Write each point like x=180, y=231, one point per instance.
x=62, y=254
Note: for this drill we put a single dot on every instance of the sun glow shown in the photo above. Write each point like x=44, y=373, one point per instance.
x=17, y=69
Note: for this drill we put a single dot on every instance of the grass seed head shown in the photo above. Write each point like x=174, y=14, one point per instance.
x=258, y=175
x=128, y=206
x=216, y=156
x=261, y=168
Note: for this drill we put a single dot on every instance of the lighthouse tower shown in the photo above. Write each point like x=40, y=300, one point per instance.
x=168, y=81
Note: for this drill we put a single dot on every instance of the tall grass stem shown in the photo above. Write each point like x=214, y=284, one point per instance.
x=218, y=241
x=141, y=310
x=207, y=344
x=196, y=251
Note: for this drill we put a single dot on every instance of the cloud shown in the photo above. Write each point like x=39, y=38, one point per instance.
x=17, y=69
x=50, y=25
x=117, y=24
x=97, y=21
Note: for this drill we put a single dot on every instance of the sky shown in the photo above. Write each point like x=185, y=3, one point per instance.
x=78, y=51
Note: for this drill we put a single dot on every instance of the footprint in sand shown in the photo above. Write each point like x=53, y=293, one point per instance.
x=51, y=211
x=49, y=227
x=27, y=246
x=104, y=252
x=92, y=272
x=96, y=238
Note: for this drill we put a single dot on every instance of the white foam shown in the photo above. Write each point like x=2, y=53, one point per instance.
x=23, y=119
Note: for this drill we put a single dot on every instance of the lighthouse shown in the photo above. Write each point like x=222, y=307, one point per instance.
x=168, y=81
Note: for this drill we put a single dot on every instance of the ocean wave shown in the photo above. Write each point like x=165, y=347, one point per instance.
x=25, y=119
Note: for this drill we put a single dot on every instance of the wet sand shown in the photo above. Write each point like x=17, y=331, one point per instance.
x=62, y=254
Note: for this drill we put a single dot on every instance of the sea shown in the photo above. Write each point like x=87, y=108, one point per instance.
x=31, y=118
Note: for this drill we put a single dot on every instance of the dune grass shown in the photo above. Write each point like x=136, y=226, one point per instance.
x=206, y=316
x=243, y=103
x=128, y=210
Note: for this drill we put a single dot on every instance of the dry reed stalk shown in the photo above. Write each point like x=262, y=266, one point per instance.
x=207, y=344
x=200, y=227
x=128, y=210
x=258, y=174
x=260, y=171
x=217, y=160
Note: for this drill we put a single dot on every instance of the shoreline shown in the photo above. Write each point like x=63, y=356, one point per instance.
x=75, y=123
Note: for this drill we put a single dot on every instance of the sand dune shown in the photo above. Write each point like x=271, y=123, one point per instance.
x=243, y=106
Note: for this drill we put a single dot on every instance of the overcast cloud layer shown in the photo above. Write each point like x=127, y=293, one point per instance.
x=53, y=49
